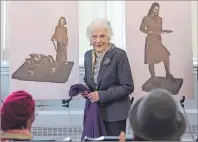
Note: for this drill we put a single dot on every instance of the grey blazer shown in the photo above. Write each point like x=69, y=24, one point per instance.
x=114, y=83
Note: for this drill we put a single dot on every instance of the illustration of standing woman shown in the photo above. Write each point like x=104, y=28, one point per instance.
x=60, y=35
x=155, y=51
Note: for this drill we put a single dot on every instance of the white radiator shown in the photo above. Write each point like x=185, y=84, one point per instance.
x=58, y=124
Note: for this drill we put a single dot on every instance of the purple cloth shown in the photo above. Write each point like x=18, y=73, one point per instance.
x=93, y=124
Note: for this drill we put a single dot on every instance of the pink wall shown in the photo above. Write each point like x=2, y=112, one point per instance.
x=32, y=24
x=176, y=15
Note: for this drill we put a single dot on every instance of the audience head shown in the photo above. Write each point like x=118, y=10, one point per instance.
x=99, y=33
x=17, y=111
x=156, y=117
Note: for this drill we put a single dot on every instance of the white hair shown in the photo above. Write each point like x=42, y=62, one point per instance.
x=100, y=23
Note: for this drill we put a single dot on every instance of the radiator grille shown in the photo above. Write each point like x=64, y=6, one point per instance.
x=77, y=131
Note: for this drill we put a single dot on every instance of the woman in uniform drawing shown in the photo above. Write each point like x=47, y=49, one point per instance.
x=155, y=51
x=60, y=35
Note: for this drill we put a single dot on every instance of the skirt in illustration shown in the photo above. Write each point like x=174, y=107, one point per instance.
x=61, y=53
x=155, y=51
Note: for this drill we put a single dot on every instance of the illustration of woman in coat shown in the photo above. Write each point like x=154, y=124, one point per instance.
x=155, y=51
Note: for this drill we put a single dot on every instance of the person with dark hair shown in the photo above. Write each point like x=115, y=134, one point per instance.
x=60, y=35
x=155, y=51
x=156, y=117
x=17, y=116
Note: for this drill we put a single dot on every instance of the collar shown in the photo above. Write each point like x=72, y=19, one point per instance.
x=18, y=134
x=94, y=54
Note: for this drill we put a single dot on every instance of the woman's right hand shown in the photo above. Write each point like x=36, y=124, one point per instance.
x=150, y=32
x=122, y=137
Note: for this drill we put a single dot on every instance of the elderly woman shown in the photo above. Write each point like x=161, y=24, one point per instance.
x=108, y=76
x=17, y=116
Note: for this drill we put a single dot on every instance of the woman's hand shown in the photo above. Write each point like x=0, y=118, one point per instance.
x=52, y=39
x=93, y=96
x=122, y=137
x=66, y=43
x=150, y=32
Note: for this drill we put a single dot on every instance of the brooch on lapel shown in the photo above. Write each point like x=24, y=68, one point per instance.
x=107, y=62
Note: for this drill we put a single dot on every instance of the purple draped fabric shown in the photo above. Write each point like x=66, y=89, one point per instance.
x=93, y=124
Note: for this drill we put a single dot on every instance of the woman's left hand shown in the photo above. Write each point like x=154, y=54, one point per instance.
x=66, y=43
x=93, y=96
